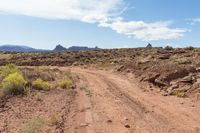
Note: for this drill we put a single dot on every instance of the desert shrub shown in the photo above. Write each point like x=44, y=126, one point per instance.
x=27, y=90
x=8, y=69
x=54, y=119
x=168, y=48
x=39, y=84
x=42, y=69
x=33, y=126
x=179, y=93
x=182, y=61
x=83, y=88
x=34, y=73
x=13, y=84
x=86, y=89
x=38, y=96
x=66, y=84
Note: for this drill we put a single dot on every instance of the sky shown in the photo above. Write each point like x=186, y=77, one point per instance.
x=103, y=23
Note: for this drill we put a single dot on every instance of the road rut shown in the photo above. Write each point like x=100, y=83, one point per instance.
x=117, y=104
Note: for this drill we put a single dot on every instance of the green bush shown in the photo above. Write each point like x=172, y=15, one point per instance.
x=7, y=70
x=39, y=84
x=13, y=84
x=66, y=84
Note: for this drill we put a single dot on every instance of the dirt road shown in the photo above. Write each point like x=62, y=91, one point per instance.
x=113, y=103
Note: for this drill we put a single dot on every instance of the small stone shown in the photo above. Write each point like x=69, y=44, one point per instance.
x=164, y=57
x=198, y=69
x=160, y=83
x=83, y=125
x=109, y=121
x=125, y=119
x=146, y=112
x=165, y=94
x=127, y=126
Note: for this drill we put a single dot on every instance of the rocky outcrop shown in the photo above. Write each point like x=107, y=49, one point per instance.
x=60, y=48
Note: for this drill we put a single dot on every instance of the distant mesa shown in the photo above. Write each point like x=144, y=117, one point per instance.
x=149, y=46
x=79, y=48
x=60, y=48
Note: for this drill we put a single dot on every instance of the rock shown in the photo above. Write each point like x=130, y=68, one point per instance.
x=120, y=68
x=83, y=124
x=173, y=86
x=164, y=57
x=188, y=79
x=151, y=77
x=109, y=121
x=125, y=119
x=160, y=83
x=84, y=109
x=198, y=69
x=165, y=94
x=127, y=126
x=128, y=71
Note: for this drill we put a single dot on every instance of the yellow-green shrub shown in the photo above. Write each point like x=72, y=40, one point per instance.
x=179, y=93
x=33, y=126
x=66, y=84
x=39, y=84
x=13, y=84
x=54, y=119
x=8, y=69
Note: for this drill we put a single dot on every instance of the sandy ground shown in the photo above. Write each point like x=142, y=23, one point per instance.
x=116, y=104
x=104, y=102
x=51, y=107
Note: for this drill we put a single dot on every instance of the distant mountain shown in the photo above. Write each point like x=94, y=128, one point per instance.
x=80, y=48
x=60, y=48
x=18, y=48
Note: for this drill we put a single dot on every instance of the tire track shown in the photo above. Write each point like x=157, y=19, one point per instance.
x=145, y=118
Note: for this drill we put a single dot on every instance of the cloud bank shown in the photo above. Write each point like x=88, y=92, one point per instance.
x=146, y=31
x=105, y=13
x=90, y=11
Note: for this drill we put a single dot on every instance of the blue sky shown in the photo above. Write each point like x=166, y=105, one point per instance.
x=111, y=24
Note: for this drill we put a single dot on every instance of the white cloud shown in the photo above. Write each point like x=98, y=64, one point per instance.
x=193, y=21
x=146, y=31
x=106, y=13
x=84, y=10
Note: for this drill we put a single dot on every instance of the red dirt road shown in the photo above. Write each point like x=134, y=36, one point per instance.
x=113, y=103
